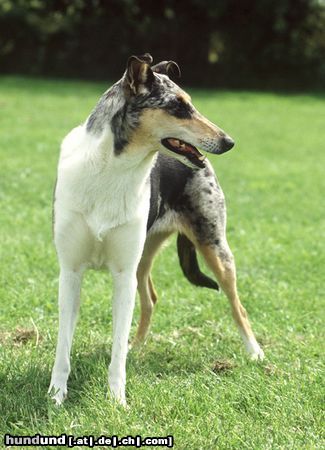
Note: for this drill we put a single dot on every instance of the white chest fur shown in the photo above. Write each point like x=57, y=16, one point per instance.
x=106, y=190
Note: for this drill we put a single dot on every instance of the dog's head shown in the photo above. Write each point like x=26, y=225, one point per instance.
x=154, y=113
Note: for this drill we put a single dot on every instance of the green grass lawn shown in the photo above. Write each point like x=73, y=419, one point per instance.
x=192, y=379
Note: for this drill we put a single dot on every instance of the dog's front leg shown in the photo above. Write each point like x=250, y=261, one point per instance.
x=123, y=304
x=124, y=248
x=69, y=301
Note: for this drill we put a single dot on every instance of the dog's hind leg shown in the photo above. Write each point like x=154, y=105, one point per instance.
x=203, y=214
x=220, y=259
x=152, y=290
x=147, y=293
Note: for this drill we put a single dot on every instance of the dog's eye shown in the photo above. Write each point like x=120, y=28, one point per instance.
x=180, y=109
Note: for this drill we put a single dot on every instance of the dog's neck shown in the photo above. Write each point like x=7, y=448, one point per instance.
x=108, y=190
x=100, y=153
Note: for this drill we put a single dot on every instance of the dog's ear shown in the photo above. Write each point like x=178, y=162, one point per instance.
x=138, y=78
x=169, y=68
x=147, y=58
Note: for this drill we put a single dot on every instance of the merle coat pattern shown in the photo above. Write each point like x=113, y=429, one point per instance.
x=115, y=202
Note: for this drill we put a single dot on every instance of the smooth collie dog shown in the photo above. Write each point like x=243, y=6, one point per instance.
x=128, y=177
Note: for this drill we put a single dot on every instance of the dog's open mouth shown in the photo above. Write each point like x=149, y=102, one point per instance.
x=184, y=149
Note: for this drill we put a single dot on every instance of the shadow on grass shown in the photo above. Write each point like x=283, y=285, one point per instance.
x=24, y=387
x=24, y=401
x=166, y=361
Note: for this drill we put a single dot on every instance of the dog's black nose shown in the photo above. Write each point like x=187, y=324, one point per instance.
x=227, y=143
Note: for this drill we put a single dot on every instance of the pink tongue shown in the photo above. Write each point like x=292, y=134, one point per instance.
x=181, y=145
x=189, y=149
x=174, y=142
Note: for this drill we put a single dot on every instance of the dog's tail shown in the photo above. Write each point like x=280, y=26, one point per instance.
x=190, y=266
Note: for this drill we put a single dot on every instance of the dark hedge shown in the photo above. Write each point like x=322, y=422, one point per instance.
x=226, y=43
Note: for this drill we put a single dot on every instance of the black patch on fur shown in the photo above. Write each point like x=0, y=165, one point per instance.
x=179, y=109
x=168, y=179
x=121, y=127
x=178, y=189
x=100, y=116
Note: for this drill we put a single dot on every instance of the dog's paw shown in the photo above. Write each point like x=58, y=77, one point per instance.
x=121, y=402
x=117, y=394
x=137, y=344
x=254, y=350
x=58, y=392
x=118, y=399
x=257, y=355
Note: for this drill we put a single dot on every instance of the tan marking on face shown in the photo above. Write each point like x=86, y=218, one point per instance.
x=144, y=135
x=158, y=119
x=203, y=126
x=183, y=96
